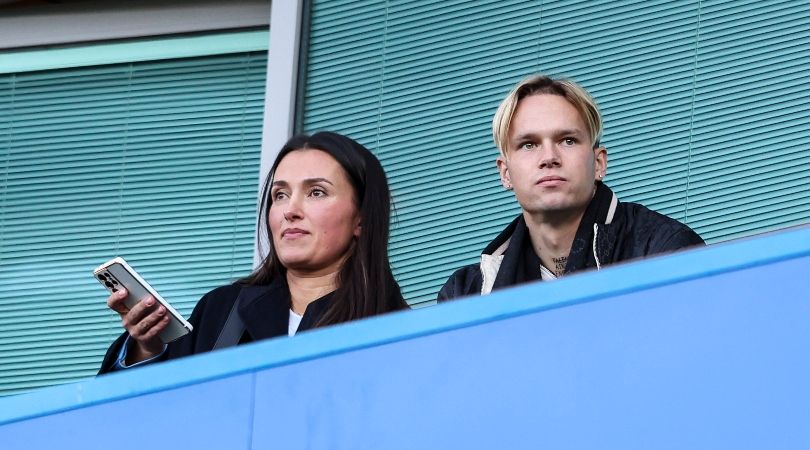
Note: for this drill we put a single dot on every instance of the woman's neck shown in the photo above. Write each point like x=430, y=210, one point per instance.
x=306, y=288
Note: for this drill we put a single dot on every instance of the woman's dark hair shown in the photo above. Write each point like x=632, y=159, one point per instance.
x=365, y=284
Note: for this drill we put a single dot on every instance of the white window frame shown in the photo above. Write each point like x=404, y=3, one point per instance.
x=280, y=93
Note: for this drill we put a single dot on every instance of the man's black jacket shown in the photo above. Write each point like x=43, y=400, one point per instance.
x=610, y=232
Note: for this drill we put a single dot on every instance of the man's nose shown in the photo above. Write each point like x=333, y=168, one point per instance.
x=548, y=156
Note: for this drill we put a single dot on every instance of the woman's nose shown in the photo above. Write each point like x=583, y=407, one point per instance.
x=292, y=211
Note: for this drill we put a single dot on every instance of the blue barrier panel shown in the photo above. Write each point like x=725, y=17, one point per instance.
x=703, y=349
x=214, y=414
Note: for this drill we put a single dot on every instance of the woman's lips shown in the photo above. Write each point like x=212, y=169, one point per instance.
x=293, y=233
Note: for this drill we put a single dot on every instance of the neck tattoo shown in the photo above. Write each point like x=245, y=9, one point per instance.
x=559, y=265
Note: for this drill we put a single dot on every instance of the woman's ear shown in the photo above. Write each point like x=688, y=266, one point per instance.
x=357, y=228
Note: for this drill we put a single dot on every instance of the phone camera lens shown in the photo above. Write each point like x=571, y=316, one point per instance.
x=114, y=290
x=108, y=284
x=102, y=277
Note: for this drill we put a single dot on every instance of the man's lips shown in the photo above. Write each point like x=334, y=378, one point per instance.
x=292, y=233
x=550, y=181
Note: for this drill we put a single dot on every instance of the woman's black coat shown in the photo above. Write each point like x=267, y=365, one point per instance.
x=265, y=316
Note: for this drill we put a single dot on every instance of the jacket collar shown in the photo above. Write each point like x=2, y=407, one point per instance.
x=267, y=314
x=494, y=253
x=600, y=210
x=500, y=258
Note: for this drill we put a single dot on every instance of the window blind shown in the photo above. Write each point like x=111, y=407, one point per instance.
x=154, y=161
x=705, y=114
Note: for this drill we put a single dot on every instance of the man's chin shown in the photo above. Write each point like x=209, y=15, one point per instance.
x=553, y=210
x=547, y=207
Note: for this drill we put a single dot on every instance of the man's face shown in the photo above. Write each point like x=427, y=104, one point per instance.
x=550, y=161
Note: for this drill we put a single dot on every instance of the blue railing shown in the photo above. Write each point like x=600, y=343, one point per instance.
x=708, y=348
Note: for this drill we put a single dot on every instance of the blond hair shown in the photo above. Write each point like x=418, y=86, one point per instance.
x=541, y=84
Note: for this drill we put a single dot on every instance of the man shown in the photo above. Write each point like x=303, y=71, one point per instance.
x=548, y=132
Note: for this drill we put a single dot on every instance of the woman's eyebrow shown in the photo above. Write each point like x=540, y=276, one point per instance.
x=317, y=180
x=282, y=183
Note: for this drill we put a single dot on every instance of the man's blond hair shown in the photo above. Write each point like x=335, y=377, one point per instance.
x=579, y=98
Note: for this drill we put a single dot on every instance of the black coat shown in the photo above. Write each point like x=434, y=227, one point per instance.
x=624, y=231
x=265, y=316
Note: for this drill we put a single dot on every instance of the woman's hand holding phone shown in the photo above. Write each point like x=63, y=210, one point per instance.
x=144, y=323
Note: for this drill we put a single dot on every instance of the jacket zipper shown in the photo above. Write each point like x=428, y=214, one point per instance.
x=595, y=256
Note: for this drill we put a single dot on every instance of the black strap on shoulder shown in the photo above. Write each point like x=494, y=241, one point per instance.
x=234, y=328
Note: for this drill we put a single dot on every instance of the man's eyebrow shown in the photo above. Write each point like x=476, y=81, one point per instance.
x=560, y=132
x=530, y=136
x=569, y=131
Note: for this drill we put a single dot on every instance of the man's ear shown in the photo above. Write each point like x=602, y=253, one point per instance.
x=600, y=157
x=503, y=170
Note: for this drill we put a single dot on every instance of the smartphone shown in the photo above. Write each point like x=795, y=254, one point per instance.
x=116, y=273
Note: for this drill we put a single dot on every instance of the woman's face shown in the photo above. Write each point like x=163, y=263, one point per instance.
x=313, y=218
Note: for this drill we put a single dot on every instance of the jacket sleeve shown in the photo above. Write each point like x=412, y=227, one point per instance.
x=186, y=345
x=684, y=237
x=108, y=363
x=464, y=281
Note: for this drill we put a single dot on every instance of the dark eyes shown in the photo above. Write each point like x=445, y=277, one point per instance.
x=314, y=192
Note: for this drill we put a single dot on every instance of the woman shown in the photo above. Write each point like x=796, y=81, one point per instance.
x=326, y=207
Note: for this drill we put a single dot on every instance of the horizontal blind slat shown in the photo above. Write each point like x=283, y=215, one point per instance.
x=153, y=161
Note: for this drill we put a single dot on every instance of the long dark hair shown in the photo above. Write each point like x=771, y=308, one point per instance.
x=365, y=283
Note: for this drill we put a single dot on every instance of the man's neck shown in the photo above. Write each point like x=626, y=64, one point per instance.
x=306, y=288
x=552, y=236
